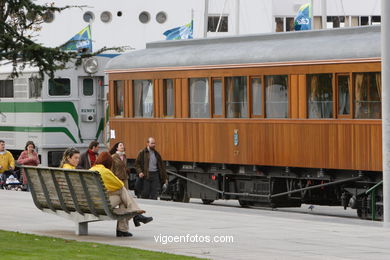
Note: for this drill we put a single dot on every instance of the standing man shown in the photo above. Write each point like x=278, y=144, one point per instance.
x=7, y=162
x=150, y=168
x=88, y=159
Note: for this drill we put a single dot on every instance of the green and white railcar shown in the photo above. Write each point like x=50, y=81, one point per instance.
x=67, y=111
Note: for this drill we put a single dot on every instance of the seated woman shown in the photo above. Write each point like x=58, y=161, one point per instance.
x=118, y=194
x=70, y=159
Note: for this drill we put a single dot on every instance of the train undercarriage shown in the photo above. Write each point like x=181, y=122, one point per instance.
x=276, y=187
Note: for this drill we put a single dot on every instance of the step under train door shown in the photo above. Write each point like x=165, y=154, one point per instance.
x=91, y=108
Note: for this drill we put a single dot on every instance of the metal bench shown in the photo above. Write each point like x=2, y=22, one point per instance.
x=78, y=195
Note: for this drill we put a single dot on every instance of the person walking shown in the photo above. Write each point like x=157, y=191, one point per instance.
x=28, y=157
x=87, y=159
x=151, y=169
x=118, y=194
x=119, y=163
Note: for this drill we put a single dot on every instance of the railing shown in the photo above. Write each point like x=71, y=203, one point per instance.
x=373, y=190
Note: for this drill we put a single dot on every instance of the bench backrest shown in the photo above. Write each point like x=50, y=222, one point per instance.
x=79, y=191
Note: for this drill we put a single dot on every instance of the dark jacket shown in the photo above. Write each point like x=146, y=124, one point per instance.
x=85, y=162
x=119, y=167
x=142, y=164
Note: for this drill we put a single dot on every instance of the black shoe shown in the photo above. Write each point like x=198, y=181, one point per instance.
x=141, y=218
x=123, y=234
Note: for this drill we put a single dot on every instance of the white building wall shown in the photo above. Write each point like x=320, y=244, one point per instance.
x=255, y=16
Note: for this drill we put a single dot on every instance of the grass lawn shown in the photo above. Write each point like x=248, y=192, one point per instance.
x=24, y=246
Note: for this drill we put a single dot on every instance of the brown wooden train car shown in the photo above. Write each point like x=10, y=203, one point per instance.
x=276, y=119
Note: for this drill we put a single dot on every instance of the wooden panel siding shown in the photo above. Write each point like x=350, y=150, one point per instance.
x=251, y=71
x=330, y=144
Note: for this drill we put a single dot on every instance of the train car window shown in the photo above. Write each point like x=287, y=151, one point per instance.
x=59, y=87
x=257, y=96
x=276, y=96
x=319, y=96
x=143, y=98
x=119, y=92
x=343, y=94
x=199, y=98
x=367, y=87
x=236, y=97
x=6, y=88
x=35, y=87
x=217, y=96
x=169, y=97
x=88, y=87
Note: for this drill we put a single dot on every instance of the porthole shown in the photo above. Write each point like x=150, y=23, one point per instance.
x=106, y=17
x=119, y=13
x=48, y=17
x=161, y=17
x=88, y=17
x=144, y=17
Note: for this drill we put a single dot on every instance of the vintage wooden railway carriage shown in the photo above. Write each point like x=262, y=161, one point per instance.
x=276, y=119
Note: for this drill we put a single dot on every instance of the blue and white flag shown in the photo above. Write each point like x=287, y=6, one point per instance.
x=180, y=33
x=80, y=42
x=302, y=20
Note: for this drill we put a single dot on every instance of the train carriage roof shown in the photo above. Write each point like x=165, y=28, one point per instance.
x=333, y=44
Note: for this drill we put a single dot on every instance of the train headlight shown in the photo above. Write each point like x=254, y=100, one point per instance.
x=91, y=65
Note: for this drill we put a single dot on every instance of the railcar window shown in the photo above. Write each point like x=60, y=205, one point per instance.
x=199, y=98
x=169, y=97
x=236, y=97
x=367, y=101
x=257, y=97
x=87, y=87
x=343, y=94
x=276, y=96
x=143, y=98
x=319, y=96
x=119, y=97
x=6, y=88
x=35, y=86
x=217, y=95
x=59, y=87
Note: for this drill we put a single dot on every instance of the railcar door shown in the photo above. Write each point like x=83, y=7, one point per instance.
x=91, y=107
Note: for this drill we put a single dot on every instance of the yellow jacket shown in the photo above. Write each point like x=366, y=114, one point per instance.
x=111, y=182
x=68, y=166
x=6, y=161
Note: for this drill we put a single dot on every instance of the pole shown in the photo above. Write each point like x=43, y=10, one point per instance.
x=323, y=13
x=385, y=41
x=206, y=18
x=311, y=14
x=237, y=17
x=220, y=16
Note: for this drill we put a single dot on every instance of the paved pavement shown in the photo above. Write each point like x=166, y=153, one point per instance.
x=257, y=234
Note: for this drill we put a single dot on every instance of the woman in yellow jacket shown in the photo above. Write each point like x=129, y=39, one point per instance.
x=118, y=194
x=70, y=159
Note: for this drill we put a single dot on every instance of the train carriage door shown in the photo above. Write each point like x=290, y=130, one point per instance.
x=90, y=108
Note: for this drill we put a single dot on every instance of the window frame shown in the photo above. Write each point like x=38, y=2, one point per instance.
x=222, y=79
x=336, y=78
x=164, y=99
x=209, y=97
x=261, y=77
x=114, y=95
x=13, y=89
x=70, y=88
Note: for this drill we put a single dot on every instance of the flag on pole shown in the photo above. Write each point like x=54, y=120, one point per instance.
x=81, y=42
x=302, y=20
x=181, y=32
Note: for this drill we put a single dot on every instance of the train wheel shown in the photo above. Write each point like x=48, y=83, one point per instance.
x=207, y=202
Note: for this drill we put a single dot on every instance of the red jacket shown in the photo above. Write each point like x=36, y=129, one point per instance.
x=25, y=160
